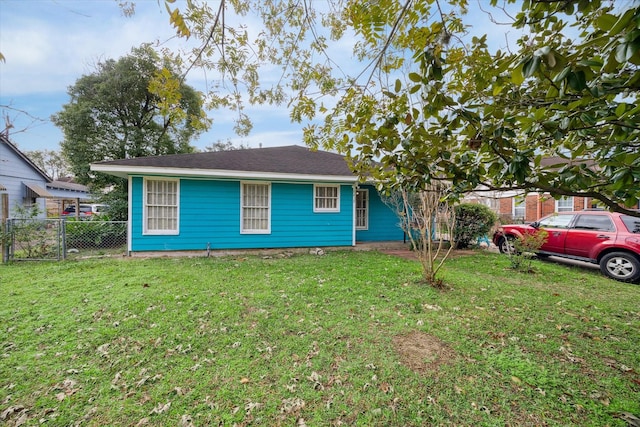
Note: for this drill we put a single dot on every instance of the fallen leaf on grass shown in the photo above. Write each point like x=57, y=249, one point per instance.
x=244, y=380
x=160, y=408
x=631, y=419
x=292, y=404
x=250, y=406
x=10, y=411
x=386, y=388
x=103, y=349
x=21, y=420
x=185, y=421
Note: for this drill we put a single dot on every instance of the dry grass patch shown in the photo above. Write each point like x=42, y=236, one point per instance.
x=421, y=352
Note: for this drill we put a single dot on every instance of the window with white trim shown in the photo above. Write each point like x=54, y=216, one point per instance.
x=255, y=212
x=493, y=204
x=326, y=198
x=362, y=209
x=564, y=204
x=519, y=207
x=161, y=206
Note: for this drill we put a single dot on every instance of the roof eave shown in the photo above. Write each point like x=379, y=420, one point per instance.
x=124, y=172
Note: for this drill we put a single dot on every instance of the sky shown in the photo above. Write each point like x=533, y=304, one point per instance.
x=49, y=44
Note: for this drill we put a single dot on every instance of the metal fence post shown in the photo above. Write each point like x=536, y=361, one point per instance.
x=5, y=241
x=9, y=242
x=63, y=231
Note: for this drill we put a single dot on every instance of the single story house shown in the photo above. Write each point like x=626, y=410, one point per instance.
x=277, y=197
x=24, y=184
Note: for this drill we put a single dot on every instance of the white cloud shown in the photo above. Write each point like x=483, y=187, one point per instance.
x=47, y=48
x=269, y=139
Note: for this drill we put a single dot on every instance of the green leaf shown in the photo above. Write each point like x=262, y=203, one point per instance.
x=624, y=52
x=577, y=81
x=516, y=76
x=398, y=85
x=562, y=75
x=620, y=109
x=622, y=22
x=437, y=72
x=531, y=66
x=415, y=77
x=593, y=63
x=606, y=21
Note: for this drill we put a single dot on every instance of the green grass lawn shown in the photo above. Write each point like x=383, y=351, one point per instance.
x=348, y=338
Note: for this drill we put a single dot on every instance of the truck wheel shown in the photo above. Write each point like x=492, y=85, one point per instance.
x=621, y=266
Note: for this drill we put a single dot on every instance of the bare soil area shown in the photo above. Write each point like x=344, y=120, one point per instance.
x=421, y=352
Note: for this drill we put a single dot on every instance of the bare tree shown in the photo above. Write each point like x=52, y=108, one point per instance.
x=428, y=221
x=50, y=161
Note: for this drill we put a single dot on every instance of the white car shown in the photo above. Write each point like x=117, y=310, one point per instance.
x=86, y=210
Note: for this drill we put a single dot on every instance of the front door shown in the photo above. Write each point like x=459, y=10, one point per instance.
x=362, y=209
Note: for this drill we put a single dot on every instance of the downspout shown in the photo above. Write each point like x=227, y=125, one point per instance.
x=353, y=206
x=129, y=215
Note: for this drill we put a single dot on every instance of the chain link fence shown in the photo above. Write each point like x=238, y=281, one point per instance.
x=56, y=239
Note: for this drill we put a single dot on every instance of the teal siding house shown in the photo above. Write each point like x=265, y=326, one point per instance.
x=279, y=197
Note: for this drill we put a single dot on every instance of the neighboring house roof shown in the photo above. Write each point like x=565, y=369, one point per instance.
x=5, y=140
x=68, y=190
x=66, y=185
x=290, y=162
x=44, y=187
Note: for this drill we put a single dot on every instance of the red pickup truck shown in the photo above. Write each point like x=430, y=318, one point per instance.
x=609, y=239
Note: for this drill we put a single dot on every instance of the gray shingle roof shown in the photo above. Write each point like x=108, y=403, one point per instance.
x=289, y=160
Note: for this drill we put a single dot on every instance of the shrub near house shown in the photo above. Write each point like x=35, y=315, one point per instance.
x=473, y=221
x=95, y=233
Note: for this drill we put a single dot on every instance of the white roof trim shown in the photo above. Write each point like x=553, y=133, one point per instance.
x=124, y=171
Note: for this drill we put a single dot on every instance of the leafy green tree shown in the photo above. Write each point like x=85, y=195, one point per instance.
x=433, y=101
x=135, y=106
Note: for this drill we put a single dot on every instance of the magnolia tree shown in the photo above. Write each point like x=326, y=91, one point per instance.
x=428, y=99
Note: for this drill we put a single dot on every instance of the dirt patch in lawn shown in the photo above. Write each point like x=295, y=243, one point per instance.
x=421, y=352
